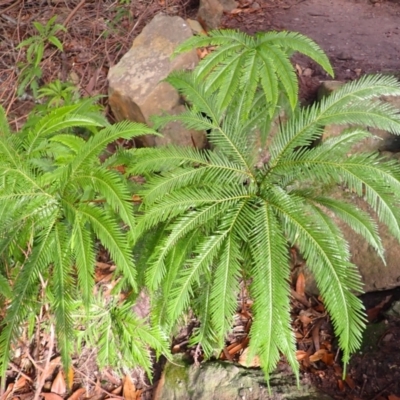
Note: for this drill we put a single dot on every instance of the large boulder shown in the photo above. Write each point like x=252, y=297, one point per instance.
x=227, y=381
x=136, y=90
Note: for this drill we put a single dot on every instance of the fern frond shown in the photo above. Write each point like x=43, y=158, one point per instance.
x=25, y=287
x=206, y=251
x=270, y=333
x=336, y=277
x=62, y=287
x=111, y=237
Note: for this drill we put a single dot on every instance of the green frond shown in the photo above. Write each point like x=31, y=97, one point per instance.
x=346, y=106
x=358, y=220
x=336, y=277
x=82, y=247
x=205, y=252
x=181, y=227
x=190, y=119
x=285, y=74
x=147, y=160
x=62, y=288
x=97, y=143
x=270, y=333
x=189, y=86
x=297, y=42
x=24, y=298
x=204, y=334
x=109, y=184
x=226, y=78
x=112, y=238
x=225, y=284
x=4, y=127
x=174, y=262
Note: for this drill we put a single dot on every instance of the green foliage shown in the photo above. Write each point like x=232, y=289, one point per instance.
x=245, y=63
x=228, y=218
x=58, y=93
x=31, y=72
x=58, y=203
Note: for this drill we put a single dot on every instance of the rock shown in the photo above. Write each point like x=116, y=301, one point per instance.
x=227, y=381
x=211, y=11
x=195, y=26
x=136, y=90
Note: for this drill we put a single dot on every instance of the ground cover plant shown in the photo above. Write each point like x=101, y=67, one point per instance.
x=221, y=216
x=227, y=216
x=58, y=203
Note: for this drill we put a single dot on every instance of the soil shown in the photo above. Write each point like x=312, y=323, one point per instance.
x=359, y=36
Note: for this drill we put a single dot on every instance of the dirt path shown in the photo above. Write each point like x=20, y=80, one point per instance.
x=359, y=36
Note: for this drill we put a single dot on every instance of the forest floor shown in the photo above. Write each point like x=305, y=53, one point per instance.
x=359, y=36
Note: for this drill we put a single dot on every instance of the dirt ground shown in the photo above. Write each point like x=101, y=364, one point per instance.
x=359, y=36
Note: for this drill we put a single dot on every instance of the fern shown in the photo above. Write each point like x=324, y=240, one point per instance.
x=241, y=64
x=224, y=215
x=57, y=203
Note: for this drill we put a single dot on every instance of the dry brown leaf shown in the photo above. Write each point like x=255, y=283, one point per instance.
x=20, y=384
x=129, y=392
x=373, y=313
x=78, y=394
x=117, y=390
x=8, y=391
x=350, y=382
x=54, y=363
x=393, y=397
x=51, y=396
x=301, y=284
x=253, y=363
x=340, y=385
x=236, y=11
x=318, y=355
x=59, y=385
x=301, y=355
x=304, y=319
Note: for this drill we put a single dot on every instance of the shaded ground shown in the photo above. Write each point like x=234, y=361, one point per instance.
x=360, y=36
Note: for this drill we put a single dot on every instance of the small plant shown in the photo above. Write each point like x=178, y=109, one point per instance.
x=224, y=216
x=58, y=93
x=58, y=203
x=31, y=71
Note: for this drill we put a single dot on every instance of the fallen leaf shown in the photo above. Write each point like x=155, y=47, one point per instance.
x=301, y=355
x=78, y=395
x=236, y=11
x=393, y=397
x=59, y=386
x=20, y=384
x=350, y=382
x=51, y=396
x=249, y=363
x=129, y=392
x=340, y=385
x=305, y=319
x=373, y=313
x=301, y=284
x=318, y=355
